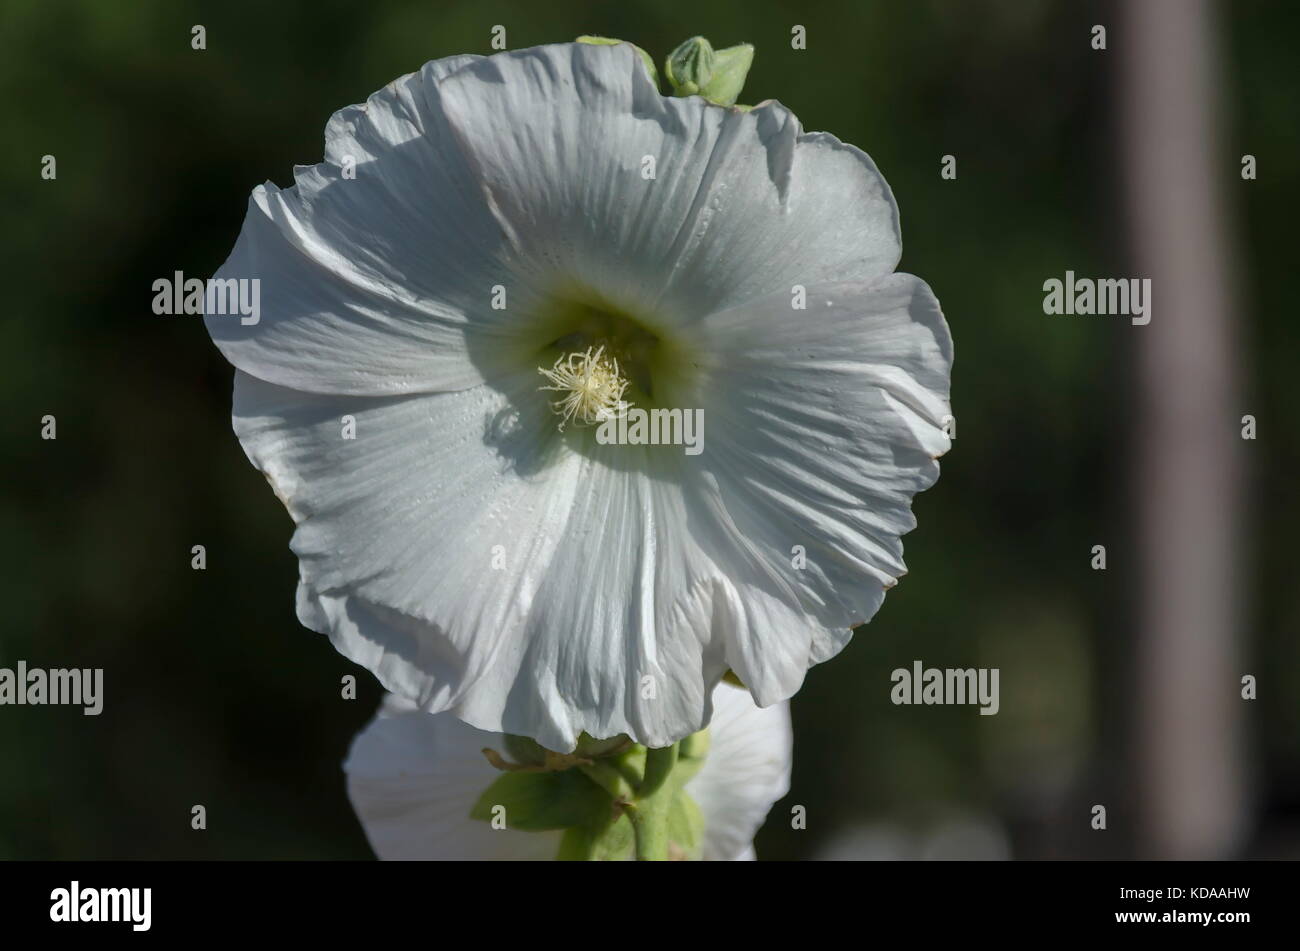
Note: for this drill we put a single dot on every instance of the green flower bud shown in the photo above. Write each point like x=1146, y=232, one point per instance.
x=730, y=67
x=609, y=41
x=696, y=69
x=690, y=66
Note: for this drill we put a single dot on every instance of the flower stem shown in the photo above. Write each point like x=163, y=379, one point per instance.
x=649, y=818
x=609, y=779
x=649, y=813
x=658, y=767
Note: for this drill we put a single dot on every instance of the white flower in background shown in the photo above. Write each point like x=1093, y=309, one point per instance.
x=486, y=219
x=413, y=778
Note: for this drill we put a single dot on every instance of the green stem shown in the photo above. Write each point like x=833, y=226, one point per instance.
x=658, y=767
x=650, y=812
x=631, y=765
x=649, y=818
x=608, y=778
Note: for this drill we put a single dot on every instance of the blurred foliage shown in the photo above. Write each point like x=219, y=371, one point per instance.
x=215, y=694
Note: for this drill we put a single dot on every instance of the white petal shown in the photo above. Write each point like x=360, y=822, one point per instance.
x=475, y=562
x=376, y=284
x=741, y=204
x=746, y=772
x=822, y=425
x=632, y=576
x=399, y=528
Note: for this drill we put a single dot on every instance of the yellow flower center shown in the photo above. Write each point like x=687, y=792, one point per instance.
x=591, y=386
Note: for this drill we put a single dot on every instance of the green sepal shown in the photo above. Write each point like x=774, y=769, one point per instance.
x=540, y=801
x=592, y=748
x=730, y=67
x=615, y=842
x=608, y=840
x=685, y=827
x=525, y=750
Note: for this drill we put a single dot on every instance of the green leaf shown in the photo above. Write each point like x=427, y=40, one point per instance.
x=537, y=802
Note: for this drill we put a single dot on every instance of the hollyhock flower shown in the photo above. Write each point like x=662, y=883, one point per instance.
x=486, y=227
x=413, y=778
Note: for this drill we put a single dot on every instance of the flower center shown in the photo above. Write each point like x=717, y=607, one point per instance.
x=591, y=386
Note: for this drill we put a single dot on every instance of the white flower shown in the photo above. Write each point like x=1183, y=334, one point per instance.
x=485, y=218
x=413, y=778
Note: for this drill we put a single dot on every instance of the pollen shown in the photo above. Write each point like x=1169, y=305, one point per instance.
x=591, y=385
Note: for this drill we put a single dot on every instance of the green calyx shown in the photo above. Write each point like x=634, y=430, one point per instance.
x=695, y=68
x=614, y=800
x=690, y=66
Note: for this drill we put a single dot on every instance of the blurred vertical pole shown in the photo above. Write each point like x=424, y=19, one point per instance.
x=1190, y=762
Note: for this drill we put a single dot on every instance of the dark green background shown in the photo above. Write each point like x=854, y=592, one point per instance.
x=215, y=694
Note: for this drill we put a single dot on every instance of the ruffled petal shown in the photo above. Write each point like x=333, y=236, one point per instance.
x=377, y=268
x=822, y=425
x=476, y=562
x=536, y=583
x=740, y=203
x=421, y=537
x=628, y=578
